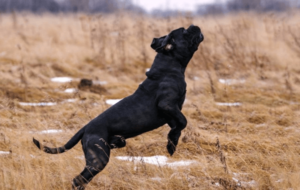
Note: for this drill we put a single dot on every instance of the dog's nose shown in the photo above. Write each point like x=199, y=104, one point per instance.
x=201, y=37
x=194, y=30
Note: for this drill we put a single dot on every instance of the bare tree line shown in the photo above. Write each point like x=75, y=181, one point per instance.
x=55, y=6
x=107, y=6
x=249, y=5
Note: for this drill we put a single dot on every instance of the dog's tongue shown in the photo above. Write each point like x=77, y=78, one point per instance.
x=194, y=30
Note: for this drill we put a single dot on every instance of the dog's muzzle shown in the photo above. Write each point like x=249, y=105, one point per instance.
x=201, y=37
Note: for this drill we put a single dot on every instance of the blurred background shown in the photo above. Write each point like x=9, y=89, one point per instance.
x=154, y=8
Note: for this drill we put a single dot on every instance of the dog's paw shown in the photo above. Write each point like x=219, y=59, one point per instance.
x=171, y=147
x=77, y=187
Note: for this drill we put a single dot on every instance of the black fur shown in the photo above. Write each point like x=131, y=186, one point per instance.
x=157, y=101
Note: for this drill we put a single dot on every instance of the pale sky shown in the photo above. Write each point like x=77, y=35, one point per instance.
x=185, y=5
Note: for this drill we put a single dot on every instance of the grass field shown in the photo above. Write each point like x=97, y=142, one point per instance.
x=242, y=104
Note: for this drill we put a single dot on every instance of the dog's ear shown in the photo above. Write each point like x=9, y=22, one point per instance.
x=162, y=43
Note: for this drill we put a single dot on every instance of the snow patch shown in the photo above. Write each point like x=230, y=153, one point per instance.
x=156, y=178
x=99, y=82
x=62, y=79
x=38, y=104
x=156, y=160
x=48, y=131
x=45, y=103
x=232, y=81
x=4, y=152
x=243, y=183
x=70, y=90
x=196, y=78
x=250, y=183
x=181, y=163
x=69, y=100
x=112, y=101
x=228, y=104
x=70, y=79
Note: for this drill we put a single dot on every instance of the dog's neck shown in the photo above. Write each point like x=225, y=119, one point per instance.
x=164, y=65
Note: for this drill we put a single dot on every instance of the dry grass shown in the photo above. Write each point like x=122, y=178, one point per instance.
x=254, y=145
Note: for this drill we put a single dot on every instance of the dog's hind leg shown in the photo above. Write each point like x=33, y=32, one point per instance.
x=117, y=141
x=97, y=153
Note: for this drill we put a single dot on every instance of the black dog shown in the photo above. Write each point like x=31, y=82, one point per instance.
x=157, y=101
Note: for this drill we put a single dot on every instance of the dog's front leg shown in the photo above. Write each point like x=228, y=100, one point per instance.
x=176, y=121
x=174, y=134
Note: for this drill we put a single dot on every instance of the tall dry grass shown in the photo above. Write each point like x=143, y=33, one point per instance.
x=254, y=145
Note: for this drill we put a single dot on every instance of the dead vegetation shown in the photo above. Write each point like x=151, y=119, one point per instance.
x=242, y=104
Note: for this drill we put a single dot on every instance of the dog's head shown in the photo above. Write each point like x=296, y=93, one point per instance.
x=182, y=43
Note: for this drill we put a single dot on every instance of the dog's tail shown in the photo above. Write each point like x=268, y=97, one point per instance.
x=72, y=142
